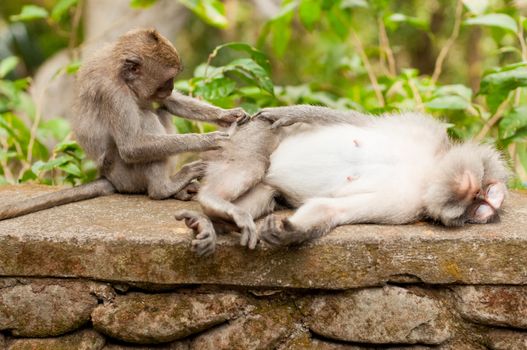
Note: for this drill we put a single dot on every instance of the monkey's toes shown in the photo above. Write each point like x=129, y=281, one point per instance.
x=203, y=247
x=249, y=237
x=267, y=115
x=272, y=231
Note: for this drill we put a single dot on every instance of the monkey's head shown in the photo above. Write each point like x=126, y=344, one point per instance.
x=468, y=185
x=148, y=63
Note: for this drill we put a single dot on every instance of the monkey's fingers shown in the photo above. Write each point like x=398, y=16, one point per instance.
x=267, y=114
x=190, y=218
x=235, y=115
x=269, y=231
x=283, y=122
x=249, y=237
x=204, y=246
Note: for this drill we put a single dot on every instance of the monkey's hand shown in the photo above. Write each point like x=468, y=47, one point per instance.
x=276, y=231
x=235, y=115
x=205, y=237
x=208, y=141
x=281, y=116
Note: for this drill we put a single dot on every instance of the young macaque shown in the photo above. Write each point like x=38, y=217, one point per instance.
x=343, y=168
x=116, y=124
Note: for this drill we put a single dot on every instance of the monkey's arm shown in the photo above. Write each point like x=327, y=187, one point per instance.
x=284, y=116
x=318, y=216
x=137, y=146
x=191, y=108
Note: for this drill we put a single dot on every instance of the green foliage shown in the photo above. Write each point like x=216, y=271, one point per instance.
x=464, y=62
x=24, y=155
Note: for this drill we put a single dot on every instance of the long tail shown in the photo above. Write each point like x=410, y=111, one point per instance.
x=100, y=187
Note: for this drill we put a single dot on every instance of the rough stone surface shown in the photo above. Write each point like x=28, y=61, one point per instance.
x=500, y=339
x=178, y=345
x=494, y=305
x=378, y=316
x=45, y=308
x=82, y=340
x=133, y=239
x=261, y=331
x=156, y=318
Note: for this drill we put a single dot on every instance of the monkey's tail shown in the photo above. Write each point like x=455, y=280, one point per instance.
x=100, y=187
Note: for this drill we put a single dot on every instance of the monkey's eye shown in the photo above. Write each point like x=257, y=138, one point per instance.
x=132, y=65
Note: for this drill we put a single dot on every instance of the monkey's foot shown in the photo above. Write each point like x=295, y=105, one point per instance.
x=204, y=243
x=194, y=170
x=188, y=193
x=279, y=116
x=249, y=236
x=278, y=232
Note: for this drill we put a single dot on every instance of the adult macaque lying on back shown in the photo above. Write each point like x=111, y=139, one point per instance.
x=343, y=168
x=116, y=124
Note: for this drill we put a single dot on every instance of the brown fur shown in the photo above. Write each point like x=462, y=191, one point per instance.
x=116, y=124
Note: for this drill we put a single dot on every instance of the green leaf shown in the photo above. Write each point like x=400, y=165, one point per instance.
x=394, y=19
x=7, y=65
x=309, y=12
x=61, y=8
x=210, y=11
x=499, y=83
x=455, y=89
x=498, y=20
x=513, y=121
x=71, y=168
x=40, y=166
x=257, y=55
x=216, y=89
x=477, y=7
x=253, y=72
x=448, y=102
x=353, y=3
x=280, y=29
x=57, y=127
x=338, y=22
x=141, y=4
x=29, y=13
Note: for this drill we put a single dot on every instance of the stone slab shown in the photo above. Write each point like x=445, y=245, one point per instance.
x=128, y=238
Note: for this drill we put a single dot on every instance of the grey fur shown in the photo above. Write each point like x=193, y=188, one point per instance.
x=116, y=125
x=237, y=188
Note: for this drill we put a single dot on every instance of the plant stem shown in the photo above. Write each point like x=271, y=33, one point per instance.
x=493, y=120
x=438, y=68
x=371, y=74
x=386, y=49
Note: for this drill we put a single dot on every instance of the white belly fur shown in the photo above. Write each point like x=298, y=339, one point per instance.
x=341, y=160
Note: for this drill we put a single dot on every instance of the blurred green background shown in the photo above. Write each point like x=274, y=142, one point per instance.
x=462, y=61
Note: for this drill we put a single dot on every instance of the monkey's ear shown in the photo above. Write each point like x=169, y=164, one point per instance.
x=153, y=35
x=131, y=68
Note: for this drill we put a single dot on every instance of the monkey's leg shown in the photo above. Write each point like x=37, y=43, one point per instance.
x=161, y=186
x=319, y=215
x=226, y=182
x=100, y=187
x=258, y=201
x=285, y=116
x=205, y=236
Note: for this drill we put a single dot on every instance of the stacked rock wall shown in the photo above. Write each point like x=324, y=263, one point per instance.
x=57, y=314
x=117, y=273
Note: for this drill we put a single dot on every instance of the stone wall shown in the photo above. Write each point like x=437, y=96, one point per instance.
x=59, y=314
x=116, y=273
